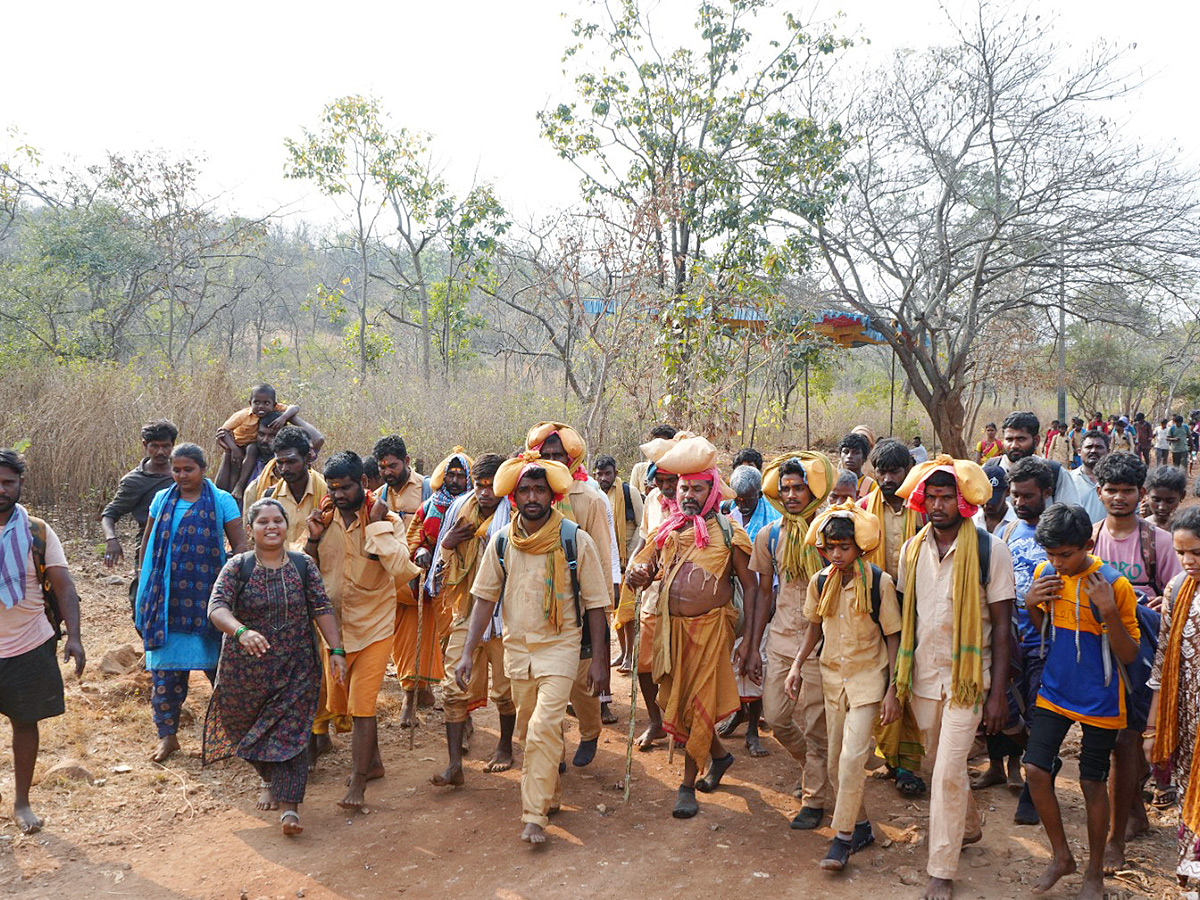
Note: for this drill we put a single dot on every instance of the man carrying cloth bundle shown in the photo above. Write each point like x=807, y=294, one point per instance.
x=957, y=587
x=585, y=505
x=701, y=555
x=550, y=578
x=469, y=524
x=660, y=505
x=430, y=625
x=796, y=484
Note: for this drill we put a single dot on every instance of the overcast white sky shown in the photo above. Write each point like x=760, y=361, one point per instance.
x=228, y=81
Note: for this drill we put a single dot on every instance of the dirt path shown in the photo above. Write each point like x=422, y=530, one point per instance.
x=177, y=831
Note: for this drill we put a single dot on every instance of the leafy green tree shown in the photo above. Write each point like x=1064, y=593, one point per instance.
x=705, y=135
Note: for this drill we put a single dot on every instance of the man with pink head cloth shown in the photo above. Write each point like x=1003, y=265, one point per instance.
x=699, y=559
x=952, y=665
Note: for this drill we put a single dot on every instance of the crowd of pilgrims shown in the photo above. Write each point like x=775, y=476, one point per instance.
x=871, y=607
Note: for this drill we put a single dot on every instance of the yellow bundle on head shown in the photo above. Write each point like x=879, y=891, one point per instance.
x=509, y=474
x=439, y=472
x=866, y=526
x=973, y=484
x=654, y=450
x=572, y=443
x=695, y=455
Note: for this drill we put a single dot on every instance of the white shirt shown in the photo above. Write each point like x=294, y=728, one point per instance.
x=919, y=453
x=1085, y=487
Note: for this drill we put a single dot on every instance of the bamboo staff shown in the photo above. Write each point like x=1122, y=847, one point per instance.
x=412, y=732
x=633, y=692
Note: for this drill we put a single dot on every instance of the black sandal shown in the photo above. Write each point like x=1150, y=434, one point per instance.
x=909, y=783
x=685, y=803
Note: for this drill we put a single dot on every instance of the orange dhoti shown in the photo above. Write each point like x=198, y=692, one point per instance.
x=699, y=689
x=404, y=646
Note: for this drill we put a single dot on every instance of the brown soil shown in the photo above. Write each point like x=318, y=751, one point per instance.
x=179, y=831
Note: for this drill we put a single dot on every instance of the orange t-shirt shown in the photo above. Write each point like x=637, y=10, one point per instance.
x=243, y=425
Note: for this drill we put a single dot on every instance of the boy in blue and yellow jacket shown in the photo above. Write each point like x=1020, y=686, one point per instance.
x=1087, y=613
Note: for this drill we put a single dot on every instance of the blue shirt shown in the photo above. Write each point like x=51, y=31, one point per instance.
x=1027, y=554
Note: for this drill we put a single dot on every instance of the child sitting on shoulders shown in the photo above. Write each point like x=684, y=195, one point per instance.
x=854, y=608
x=239, y=435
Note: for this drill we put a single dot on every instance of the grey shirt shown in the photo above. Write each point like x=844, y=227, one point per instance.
x=134, y=493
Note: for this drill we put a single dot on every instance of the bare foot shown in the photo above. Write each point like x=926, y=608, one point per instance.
x=318, y=746
x=1054, y=871
x=374, y=773
x=425, y=698
x=265, y=800
x=27, y=820
x=607, y=716
x=754, y=745
x=452, y=777
x=534, y=834
x=501, y=761
x=291, y=823
x=1138, y=823
x=938, y=889
x=1016, y=780
x=165, y=748
x=1114, y=857
x=647, y=738
x=408, y=716
x=992, y=775
x=468, y=733
x=1092, y=888
x=355, y=796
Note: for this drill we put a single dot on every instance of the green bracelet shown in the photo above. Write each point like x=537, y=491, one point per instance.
x=337, y=651
x=237, y=634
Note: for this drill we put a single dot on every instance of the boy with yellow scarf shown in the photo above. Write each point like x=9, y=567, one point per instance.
x=851, y=606
x=952, y=666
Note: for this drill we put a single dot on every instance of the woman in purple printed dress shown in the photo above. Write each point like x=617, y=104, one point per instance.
x=269, y=675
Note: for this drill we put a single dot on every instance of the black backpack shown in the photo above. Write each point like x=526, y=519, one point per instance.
x=568, y=536
x=247, y=561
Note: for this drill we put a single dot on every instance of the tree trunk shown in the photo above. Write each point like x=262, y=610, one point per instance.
x=362, y=311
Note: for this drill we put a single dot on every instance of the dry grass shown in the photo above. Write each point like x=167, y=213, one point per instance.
x=79, y=422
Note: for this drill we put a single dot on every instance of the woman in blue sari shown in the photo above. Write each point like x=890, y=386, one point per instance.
x=182, y=554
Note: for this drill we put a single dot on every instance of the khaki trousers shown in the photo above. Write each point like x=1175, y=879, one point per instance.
x=851, y=738
x=948, y=732
x=800, y=724
x=542, y=702
x=587, y=707
x=456, y=702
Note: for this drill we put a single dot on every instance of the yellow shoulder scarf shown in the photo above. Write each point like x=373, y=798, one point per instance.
x=1166, y=738
x=267, y=480
x=966, y=652
x=546, y=541
x=796, y=558
x=827, y=604
x=875, y=504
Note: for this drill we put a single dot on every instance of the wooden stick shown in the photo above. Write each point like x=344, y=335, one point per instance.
x=412, y=732
x=670, y=749
x=633, y=692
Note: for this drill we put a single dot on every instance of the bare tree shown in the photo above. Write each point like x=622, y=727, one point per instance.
x=987, y=183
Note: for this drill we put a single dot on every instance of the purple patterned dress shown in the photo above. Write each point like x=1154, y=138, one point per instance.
x=262, y=709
